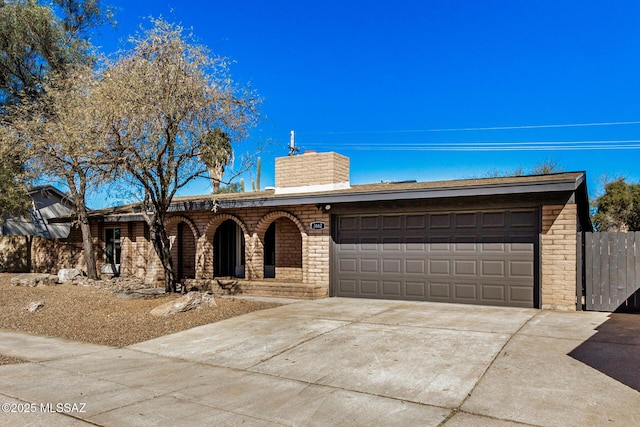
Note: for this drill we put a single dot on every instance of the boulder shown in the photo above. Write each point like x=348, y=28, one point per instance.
x=147, y=293
x=34, y=279
x=34, y=306
x=68, y=275
x=185, y=303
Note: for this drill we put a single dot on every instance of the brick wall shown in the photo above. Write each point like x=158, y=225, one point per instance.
x=288, y=250
x=558, y=259
x=311, y=172
x=302, y=255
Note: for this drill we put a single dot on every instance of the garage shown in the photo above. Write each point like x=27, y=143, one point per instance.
x=486, y=257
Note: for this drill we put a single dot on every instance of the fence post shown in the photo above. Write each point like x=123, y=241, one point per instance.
x=580, y=271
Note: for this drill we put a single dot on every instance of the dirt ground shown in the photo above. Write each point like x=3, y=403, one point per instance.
x=99, y=316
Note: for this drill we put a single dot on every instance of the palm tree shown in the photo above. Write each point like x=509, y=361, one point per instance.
x=216, y=153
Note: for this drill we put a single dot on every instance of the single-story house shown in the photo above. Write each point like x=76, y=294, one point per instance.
x=496, y=241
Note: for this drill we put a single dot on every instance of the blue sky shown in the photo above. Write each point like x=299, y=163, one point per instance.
x=412, y=89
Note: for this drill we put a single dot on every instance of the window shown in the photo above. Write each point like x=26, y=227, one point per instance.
x=112, y=246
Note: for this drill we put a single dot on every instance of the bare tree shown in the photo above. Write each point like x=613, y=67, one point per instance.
x=163, y=100
x=62, y=137
x=546, y=167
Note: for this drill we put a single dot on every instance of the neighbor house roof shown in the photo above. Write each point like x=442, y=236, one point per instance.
x=48, y=205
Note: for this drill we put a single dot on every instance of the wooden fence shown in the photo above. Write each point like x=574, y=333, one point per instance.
x=611, y=271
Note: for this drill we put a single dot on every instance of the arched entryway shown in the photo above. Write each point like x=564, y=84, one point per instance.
x=186, y=252
x=229, y=250
x=184, y=235
x=282, y=244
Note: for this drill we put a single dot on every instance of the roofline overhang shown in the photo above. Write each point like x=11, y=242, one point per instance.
x=560, y=185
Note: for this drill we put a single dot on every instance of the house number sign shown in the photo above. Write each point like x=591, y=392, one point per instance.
x=317, y=225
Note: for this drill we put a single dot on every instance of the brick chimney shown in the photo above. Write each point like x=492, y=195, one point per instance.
x=312, y=172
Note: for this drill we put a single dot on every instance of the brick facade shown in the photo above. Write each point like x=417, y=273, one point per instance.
x=558, y=257
x=302, y=254
x=311, y=172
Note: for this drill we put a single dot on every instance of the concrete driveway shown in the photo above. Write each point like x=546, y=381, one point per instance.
x=341, y=361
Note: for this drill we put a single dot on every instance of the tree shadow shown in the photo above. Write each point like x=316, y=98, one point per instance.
x=615, y=349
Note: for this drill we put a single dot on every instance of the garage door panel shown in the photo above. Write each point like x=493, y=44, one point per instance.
x=348, y=224
x=522, y=219
x=436, y=247
x=464, y=247
x=415, y=289
x=392, y=266
x=465, y=267
x=520, y=295
x=348, y=287
x=415, y=266
x=439, y=291
x=391, y=288
x=498, y=248
x=439, y=221
x=415, y=222
x=493, y=293
x=521, y=269
x=493, y=219
x=369, y=266
x=439, y=267
x=481, y=258
x=348, y=265
x=392, y=245
x=415, y=247
x=525, y=248
x=392, y=222
x=369, y=223
x=466, y=220
x=492, y=268
x=369, y=287
x=465, y=291
x=349, y=246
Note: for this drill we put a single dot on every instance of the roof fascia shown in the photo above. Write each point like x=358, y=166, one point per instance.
x=566, y=185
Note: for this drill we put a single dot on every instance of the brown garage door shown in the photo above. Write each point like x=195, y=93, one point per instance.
x=464, y=257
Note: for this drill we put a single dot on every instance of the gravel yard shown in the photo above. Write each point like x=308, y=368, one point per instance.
x=98, y=316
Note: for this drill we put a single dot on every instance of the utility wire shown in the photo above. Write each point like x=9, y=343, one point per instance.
x=485, y=146
x=473, y=129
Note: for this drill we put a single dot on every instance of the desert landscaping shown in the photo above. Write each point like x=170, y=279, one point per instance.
x=102, y=313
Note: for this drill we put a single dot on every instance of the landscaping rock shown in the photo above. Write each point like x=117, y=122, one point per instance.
x=67, y=275
x=147, y=293
x=34, y=306
x=34, y=279
x=116, y=284
x=186, y=302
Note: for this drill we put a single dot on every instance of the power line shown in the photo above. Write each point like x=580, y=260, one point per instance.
x=474, y=129
x=630, y=144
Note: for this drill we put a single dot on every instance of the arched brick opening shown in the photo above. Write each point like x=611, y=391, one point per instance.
x=183, y=234
x=281, y=247
x=206, y=251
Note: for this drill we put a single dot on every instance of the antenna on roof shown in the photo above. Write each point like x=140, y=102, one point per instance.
x=292, y=144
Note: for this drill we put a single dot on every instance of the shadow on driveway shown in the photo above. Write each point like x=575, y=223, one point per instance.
x=614, y=349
